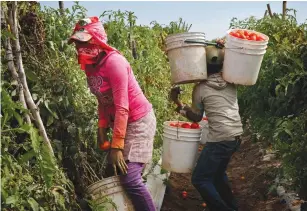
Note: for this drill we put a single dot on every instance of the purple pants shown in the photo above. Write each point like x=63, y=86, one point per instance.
x=136, y=189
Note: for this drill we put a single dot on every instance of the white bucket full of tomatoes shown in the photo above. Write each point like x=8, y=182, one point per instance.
x=180, y=146
x=244, y=51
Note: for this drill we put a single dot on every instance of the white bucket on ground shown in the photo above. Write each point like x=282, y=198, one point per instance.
x=179, y=148
x=110, y=189
x=243, y=60
x=187, y=60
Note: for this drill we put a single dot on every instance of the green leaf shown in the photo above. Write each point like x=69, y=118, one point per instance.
x=51, y=45
x=26, y=157
x=34, y=96
x=277, y=38
x=34, y=205
x=11, y=199
x=31, y=76
x=53, y=113
x=13, y=93
x=289, y=132
x=50, y=120
x=18, y=118
x=35, y=139
x=48, y=165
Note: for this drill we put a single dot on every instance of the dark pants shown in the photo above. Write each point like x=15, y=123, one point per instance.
x=210, y=178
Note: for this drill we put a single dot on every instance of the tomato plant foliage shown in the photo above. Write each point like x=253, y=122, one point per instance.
x=32, y=178
x=276, y=107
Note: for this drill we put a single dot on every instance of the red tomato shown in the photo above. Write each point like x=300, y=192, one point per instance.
x=240, y=31
x=258, y=38
x=177, y=125
x=253, y=37
x=242, y=36
x=253, y=33
x=261, y=36
x=204, y=204
x=248, y=37
x=184, y=194
x=234, y=34
x=238, y=35
x=186, y=125
x=105, y=145
x=246, y=33
x=194, y=126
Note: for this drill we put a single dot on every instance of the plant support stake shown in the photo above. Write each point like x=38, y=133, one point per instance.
x=13, y=21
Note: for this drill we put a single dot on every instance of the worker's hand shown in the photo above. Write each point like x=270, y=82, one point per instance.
x=117, y=161
x=220, y=43
x=174, y=94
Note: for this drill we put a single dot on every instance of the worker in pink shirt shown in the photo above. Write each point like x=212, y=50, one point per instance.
x=121, y=106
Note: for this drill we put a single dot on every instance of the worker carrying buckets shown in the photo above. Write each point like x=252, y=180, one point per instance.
x=215, y=68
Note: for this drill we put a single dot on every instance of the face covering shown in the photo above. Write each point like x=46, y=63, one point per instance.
x=88, y=53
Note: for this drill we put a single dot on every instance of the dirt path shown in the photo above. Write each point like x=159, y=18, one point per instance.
x=251, y=179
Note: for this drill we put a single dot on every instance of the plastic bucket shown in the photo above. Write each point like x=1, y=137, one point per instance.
x=179, y=149
x=242, y=60
x=108, y=189
x=187, y=60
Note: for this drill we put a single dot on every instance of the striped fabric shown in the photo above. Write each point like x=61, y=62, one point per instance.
x=139, y=139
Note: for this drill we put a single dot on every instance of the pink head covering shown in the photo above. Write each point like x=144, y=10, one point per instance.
x=91, y=33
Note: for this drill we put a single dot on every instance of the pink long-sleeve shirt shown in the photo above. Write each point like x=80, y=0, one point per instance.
x=120, y=98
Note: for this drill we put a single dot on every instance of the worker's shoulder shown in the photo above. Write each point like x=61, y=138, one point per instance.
x=208, y=88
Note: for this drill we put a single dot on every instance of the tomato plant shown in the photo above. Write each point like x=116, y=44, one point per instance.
x=279, y=116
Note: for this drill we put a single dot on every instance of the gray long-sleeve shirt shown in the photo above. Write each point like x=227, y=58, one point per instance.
x=219, y=100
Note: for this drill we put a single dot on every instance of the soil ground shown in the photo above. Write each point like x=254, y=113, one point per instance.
x=251, y=179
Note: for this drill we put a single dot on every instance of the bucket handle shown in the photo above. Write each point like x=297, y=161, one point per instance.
x=205, y=43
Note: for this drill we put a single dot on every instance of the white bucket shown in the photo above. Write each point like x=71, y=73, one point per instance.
x=187, y=60
x=180, y=148
x=242, y=60
x=110, y=189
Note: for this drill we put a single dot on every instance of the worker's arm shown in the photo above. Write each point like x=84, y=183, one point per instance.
x=103, y=125
x=195, y=113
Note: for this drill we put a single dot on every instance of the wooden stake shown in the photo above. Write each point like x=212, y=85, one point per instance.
x=265, y=14
x=284, y=9
x=12, y=69
x=269, y=10
x=61, y=6
x=13, y=21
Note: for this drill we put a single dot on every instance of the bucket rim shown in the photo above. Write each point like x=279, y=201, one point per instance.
x=102, y=180
x=184, y=33
x=244, y=42
x=233, y=46
x=189, y=130
x=182, y=138
x=240, y=51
